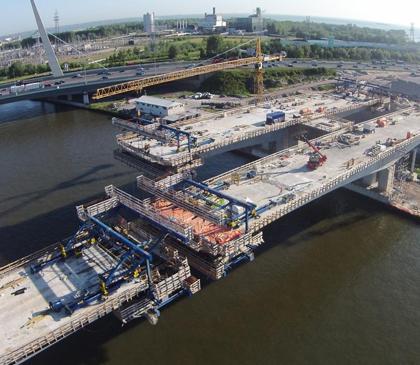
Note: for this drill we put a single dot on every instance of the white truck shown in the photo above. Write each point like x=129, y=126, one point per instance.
x=15, y=89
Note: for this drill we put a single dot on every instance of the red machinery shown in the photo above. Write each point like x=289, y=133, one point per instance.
x=316, y=158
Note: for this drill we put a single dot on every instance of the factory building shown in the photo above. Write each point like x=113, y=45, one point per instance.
x=212, y=22
x=158, y=107
x=253, y=24
x=149, y=23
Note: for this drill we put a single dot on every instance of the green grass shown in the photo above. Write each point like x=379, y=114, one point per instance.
x=241, y=82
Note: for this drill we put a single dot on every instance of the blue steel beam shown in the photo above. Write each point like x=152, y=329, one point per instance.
x=221, y=195
x=120, y=237
x=249, y=207
x=178, y=133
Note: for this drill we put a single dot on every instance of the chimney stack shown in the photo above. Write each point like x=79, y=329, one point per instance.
x=214, y=11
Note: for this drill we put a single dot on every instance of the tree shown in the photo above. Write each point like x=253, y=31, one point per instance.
x=214, y=45
x=17, y=69
x=172, y=52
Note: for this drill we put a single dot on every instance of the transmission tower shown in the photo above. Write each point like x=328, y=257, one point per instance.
x=56, y=22
x=412, y=33
x=308, y=27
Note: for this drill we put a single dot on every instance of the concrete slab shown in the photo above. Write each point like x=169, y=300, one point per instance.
x=25, y=317
x=274, y=179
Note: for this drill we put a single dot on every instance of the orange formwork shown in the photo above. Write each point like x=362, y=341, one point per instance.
x=201, y=227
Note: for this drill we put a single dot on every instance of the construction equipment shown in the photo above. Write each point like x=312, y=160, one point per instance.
x=316, y=158
x=381, y=122
x=139, y=85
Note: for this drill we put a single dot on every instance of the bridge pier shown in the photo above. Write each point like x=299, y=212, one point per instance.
x=386, y=180
x=413, y=160
x=86, y=99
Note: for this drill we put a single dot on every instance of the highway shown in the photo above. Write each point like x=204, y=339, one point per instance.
x=79, y=82
x=74, y=83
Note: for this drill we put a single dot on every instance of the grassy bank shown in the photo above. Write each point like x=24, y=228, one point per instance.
x=241, y=82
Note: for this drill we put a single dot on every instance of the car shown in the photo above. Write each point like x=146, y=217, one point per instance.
x=57, y=83
x=290, y=65
x=105, y=78
x=77, y=76
x=122, y=71
x=295, y=61
x=139, y=73
x=47, y=85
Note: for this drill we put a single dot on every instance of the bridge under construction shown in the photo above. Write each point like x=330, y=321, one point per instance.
x=184, y=145
x=132, y=254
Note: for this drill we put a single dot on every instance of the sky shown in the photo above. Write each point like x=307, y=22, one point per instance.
x=16, y=15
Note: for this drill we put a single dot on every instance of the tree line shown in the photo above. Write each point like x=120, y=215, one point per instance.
x=349, y=32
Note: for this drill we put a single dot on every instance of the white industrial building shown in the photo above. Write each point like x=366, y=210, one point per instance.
x=212, y=22
x=149, y=23
x=158, y=107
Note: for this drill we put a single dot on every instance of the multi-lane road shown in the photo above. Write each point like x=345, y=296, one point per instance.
x=80, y=82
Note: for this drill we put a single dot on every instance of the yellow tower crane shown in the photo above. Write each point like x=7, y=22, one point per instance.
x=140, y=84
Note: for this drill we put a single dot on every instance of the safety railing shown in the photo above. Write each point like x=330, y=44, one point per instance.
x=135, y=127
x=148, y=211
x=77, y=322
x=95, y=209
x=164, y=288
x=180, y=199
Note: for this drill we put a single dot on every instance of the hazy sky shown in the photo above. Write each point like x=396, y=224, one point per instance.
x=16, y=15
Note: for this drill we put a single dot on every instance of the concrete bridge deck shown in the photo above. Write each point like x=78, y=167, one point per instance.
x=286, y=172
x=234, y=129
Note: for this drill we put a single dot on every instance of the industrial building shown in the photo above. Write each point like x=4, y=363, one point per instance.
x=158, y=107
x=149, y=23
x=212, y=22
x=253, y=23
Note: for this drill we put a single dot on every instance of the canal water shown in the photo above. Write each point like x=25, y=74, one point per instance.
x=336, y=283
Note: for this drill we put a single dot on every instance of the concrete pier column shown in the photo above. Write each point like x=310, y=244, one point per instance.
x=386, y=180
x=413, y=160
x=86, y=100
x=369, y=180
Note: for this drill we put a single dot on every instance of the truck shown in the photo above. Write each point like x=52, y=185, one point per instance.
x=33, y=86
x=275, y=117
x=15, y=89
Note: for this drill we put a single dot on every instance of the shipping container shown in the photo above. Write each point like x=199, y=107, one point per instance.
x=275, y=117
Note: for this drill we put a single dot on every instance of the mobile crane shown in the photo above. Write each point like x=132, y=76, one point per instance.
x=316, y=158
x=140, y=84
